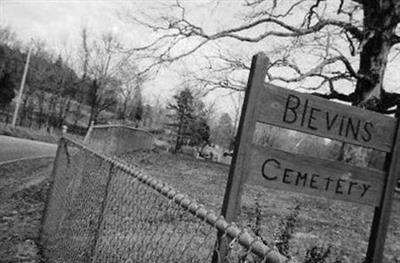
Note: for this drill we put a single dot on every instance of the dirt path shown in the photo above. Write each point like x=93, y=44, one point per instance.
x=12, y=148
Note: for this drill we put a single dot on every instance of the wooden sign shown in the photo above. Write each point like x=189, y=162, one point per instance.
x=287, y=171
x=314, y=115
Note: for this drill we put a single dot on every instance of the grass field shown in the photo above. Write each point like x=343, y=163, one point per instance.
x=344, y=227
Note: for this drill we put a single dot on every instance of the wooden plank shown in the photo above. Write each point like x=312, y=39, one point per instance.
x=381, y=220
x=337, y=180
x=240, y=162
x=314, y=115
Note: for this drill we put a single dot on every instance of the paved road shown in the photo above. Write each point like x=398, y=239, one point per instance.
x=12, y=148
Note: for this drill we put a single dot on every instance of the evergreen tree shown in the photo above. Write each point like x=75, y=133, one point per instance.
x=190, y=120
x=183, y=115
x=200, y=132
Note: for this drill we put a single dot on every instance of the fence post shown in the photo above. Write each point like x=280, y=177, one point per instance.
x=240, y=161
x=61, y=146
x=101, y=213
x=381, y=218
x=89, y=132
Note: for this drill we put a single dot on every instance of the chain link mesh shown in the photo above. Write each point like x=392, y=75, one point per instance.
x=103, y=210
x=140, y=225
x=74, y=207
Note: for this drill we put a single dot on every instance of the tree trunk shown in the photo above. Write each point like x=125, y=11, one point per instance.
x=23, y=112
x=379, y=27
x=49, y=110
x=77, y=111
x=67, y=108
x=62, y=110
x=41, y=109
x=178, y=144
x=8, y=113
x=380, y=21
x=124, y=108
x=93, y=103
x=31, y=117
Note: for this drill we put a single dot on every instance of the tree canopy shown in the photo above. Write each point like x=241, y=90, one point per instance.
x=318, y=45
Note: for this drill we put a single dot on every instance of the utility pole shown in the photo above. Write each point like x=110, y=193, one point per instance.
x=21, y=89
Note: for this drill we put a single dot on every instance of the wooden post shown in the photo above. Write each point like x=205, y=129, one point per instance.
x=239, y=166
x=381, y=219
x=61, y=149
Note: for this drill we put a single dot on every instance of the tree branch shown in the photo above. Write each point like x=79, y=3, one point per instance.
x=395, y=40
x=281, y=15
x=314, y=72
x=291, y=30
x=335, y=95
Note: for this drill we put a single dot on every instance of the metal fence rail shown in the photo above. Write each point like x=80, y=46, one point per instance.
x=103, y=210
x=120, y=139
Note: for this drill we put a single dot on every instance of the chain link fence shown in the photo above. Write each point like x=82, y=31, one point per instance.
x=100, y=209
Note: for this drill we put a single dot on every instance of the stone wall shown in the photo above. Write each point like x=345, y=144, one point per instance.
x=118, y=139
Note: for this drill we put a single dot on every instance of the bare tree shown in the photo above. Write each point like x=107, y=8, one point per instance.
x=130, y=89
x=101, y=63
x=346, y=43
x=237, y=101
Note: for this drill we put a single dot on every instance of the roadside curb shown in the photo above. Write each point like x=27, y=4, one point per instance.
x=26, y=159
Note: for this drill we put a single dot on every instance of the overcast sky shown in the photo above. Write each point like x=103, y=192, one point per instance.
x=59, y=23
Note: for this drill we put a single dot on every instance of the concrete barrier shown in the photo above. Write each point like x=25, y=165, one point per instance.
x=118, y=139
